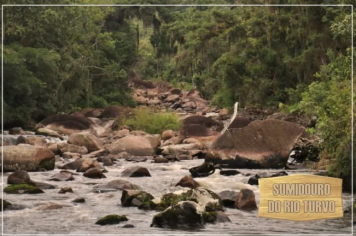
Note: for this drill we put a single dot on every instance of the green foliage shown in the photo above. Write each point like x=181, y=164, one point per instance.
x=153, y=122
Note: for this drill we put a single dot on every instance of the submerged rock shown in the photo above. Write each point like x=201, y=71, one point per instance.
x=136, y=171
x=116, y=185
x=228, y=198
x=27, y=157
x=62, y=176
x=94, y=173
x=79, y=200
x=254, y=179
x=261, y=144
x=203, y=170
x=229, y=172
x=111, y=220
x=65, y=190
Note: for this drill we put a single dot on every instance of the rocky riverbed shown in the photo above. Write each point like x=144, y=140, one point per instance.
x=84, y=173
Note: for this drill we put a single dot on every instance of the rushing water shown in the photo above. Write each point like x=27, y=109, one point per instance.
x=80, y=218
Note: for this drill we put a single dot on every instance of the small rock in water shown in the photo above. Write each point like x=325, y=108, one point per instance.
x=228, y=198
x=111, y=219
x=107, y=161
x=136, y=171
x=79, y=200
x=19, y=177
x=49, y=207
x=188, y=182
x=44, y=185
x=62, y=176
x=136, y=159
x=161, y=159
x=172, y=158
x=184, y=157
x=22, y=188
x=16, y=131
x=246, y=200
x=94, y=173
x=229, y=172
x=134, y=197
x=128, y=226
x=115, y=185
x=65, y=190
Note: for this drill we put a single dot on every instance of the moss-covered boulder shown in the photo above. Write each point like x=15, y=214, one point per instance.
x=22, y=188
x=134, y=198
x=183, y=215
x=204, y=197
x=111, y=220
x=27, y=157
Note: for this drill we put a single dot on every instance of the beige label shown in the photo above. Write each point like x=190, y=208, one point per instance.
x=301, y=197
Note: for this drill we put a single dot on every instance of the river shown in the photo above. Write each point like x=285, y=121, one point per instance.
x=80, y=218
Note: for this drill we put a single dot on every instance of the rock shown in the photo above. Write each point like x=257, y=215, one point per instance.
x=16, y=131
x=223, y=112
x=94, y=173
x=27, y=157
x=121, y=133
x=62, y=176
x=137, y=158
x=136, y=171
x=48, y=132
x=161, y=159
x=168, y=134
x=143, y=84
x=172, y=141
x=239, y=122
x=261, y=144
x=154, y=102
x=183, y=215
x=65, y=190
x=203, y=170
x=67, y=147
x=70, y=155
x=193, y=141
x=135, y=145
x=246, y=200
x=254, y=179
x=221, y=217
x=172, y=98
x=22, y=188
x=36, y=141
x=87, y=140
x=5, y=205
x=204, y=121
x=128, y=226
x=19, y=177
x=184, y=157
x=87, y=164
x=111, y=220
x=49, y=207
x=99, y=153
x=175, y=91
x=112, y=111
x=155, y=140
x=188, y=182
x=79, y=200
x=178, y=148
x=44, y=186
x=116, y=185
x=229, y=172
x=172, y=158
x=107, y=161
x=228, y=198
x=134, y=198
x=140, y=100
x=54, y=148
x=123, y=155
x=66, y=124
x=195, y=130
x=20, y=139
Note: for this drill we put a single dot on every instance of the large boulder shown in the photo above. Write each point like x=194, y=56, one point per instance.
x=168, y=134
x=112, y=111
x=239, y=122
x=16, y=131
x=205, y=121
x=196, y=130
x=27, y=157
x=87, y=140
x=19, y=177
x=66, y=124
x=134, y=145
x=261, y=144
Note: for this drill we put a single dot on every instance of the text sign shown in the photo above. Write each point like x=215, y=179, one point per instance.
x=301, y=197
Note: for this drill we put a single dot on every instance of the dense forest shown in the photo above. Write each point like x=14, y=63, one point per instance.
x=295, y=59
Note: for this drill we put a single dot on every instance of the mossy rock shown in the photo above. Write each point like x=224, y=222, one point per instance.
x=22, y=188
x=210, y=217
x=141, y=196
x=184, y=215
x=167, y=200
x=111, y=220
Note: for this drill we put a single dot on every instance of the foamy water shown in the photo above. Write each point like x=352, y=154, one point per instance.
x=80, y=218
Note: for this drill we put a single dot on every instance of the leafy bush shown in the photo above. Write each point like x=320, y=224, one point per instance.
x=154, y=123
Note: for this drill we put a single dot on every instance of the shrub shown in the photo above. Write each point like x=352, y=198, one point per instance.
x=151, y=122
